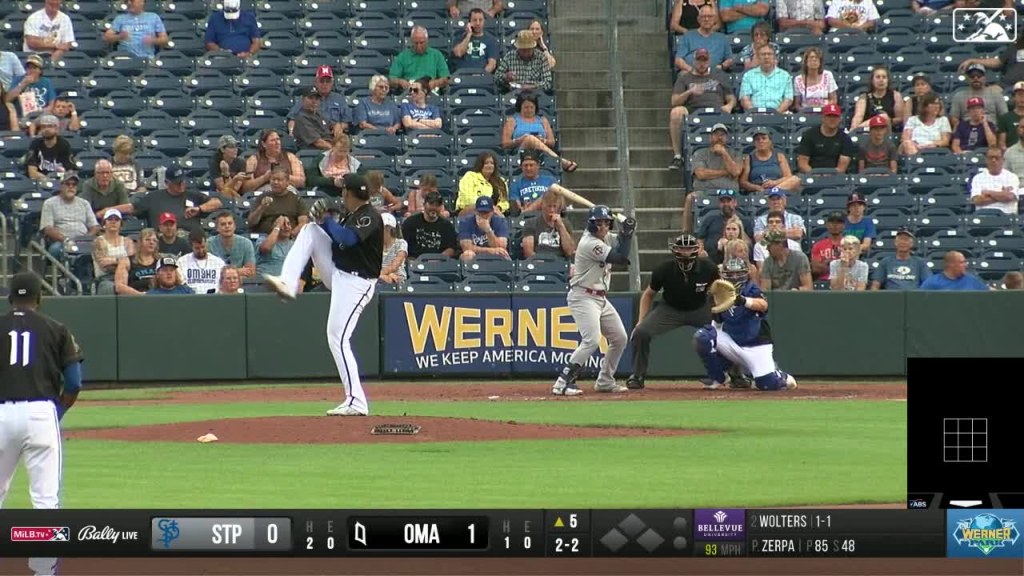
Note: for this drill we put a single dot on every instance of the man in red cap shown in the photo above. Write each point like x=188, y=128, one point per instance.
x=333, y=107
x=878, y=151
x=170, y=241
x=826, y=145
x=975, y=132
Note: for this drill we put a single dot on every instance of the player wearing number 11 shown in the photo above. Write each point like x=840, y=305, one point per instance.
x=40, y=376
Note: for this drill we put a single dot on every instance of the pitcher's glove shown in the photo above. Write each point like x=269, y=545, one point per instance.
x=724, y=295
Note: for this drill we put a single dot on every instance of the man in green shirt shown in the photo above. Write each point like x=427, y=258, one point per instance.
x=418, y=61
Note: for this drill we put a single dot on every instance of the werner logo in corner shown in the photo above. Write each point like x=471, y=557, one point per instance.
x=984, y=533
x=40, y=534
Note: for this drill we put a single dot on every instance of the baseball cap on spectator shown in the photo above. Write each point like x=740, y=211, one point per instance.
x=831, y=110
x=34, y=60
x=878, y=121
x=904, y=231
x=232, y=9
x=167, y=217
x=70, y=176
x=777, y=192
x=112, y=213
x=856, y=198
x=530, y=154
x=702, y=54
x=227, y=141
x=976, y=68
x=309, y=92
x=167, y=261
x=720, y=126
x=484, y=204
x=775, y=237
x=836, y=217
x=1018, y=86
x=48, y=120
x=175, y=173
x=324, y=71
x=972, y=102
x=389, y=220
x=762, y=130
x=433, y=198
x=727, y=193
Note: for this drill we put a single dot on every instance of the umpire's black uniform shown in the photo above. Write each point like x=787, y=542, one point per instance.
x=684, y=303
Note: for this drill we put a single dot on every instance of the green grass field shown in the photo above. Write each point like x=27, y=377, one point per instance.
x=766, y=453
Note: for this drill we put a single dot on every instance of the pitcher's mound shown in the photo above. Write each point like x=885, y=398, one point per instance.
x=356, y=429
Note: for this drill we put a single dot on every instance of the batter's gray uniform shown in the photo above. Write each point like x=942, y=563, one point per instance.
x=594, y=314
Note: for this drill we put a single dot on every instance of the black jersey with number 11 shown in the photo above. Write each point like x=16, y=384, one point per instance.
x=34, y=349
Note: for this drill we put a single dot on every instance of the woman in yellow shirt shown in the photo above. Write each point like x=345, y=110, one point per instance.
x=483, y=180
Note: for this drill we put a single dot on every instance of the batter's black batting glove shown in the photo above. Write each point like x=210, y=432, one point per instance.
x=628, y=227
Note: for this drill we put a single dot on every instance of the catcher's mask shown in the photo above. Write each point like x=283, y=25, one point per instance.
x=685, y=249
x=736, y=271
x=600, y=212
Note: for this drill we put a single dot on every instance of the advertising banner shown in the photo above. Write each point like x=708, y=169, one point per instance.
x=498, y=335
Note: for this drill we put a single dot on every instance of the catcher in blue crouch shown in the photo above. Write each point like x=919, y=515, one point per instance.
x=739, y=332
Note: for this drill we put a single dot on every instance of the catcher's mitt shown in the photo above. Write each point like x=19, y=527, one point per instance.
x=724, y=294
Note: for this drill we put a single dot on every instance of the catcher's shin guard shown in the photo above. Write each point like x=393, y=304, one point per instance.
x=704, y=341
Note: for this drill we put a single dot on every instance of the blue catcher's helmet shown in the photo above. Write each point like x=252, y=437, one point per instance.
x=600, y=212
x=735, y=270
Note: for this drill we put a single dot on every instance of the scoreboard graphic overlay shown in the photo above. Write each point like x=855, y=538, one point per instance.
x=637, y=533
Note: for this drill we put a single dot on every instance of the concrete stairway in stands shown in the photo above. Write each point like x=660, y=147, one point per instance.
x=586, y=117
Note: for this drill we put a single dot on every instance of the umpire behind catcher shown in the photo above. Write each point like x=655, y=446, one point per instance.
x=684, y=283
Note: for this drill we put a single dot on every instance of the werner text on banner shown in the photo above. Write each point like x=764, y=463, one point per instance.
x=500, y=335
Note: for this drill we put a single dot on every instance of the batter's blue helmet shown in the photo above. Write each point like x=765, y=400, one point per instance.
x=600, y=212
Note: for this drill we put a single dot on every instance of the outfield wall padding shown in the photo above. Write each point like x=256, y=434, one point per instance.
x=962, y=325
x=181, y=338
x=285, y=339
x=224, y=338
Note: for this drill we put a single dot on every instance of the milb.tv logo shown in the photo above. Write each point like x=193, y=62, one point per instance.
x=986, y=533
x=984, y=25
x=40, y=534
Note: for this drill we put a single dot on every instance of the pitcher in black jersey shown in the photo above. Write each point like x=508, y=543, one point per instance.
x=348, y=253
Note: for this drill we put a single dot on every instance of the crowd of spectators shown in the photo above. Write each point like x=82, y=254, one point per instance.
x=762, y=115
x=122, y=230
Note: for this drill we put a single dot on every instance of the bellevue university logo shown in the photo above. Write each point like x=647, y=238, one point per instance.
x=721, y=524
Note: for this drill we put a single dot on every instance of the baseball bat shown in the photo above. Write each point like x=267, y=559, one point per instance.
x=575, y=198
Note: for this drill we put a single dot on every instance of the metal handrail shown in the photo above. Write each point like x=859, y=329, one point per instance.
x=622, y=135
x=3, y=250
x=58, y=266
